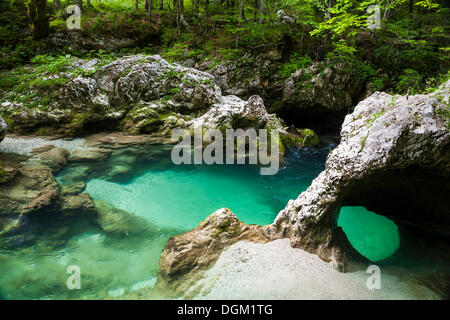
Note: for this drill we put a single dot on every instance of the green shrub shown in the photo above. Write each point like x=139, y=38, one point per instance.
x=410, y=78
x=296, y=62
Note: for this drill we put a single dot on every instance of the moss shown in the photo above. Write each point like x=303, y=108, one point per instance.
x=443, y=111
x=289, y=140
x=363, y=141
x=375, y=116
x=151, y=125
x=228, y=227
x=309, y=138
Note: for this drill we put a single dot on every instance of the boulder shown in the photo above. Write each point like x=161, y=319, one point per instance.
x=33, y=188
x=137, y=94
x=393, y=159
x=186, y=256
x=55, y=158
x=118, y=222
x=233, y=113
x=73, y=189
x=76, y=204
x=90, y=155
x=320, y=89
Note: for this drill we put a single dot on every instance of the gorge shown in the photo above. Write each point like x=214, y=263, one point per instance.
x=112, y=201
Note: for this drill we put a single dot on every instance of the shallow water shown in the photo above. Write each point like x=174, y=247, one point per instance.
x=172, y=199
x=180, y=197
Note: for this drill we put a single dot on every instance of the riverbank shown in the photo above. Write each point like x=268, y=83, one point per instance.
x=275, y=270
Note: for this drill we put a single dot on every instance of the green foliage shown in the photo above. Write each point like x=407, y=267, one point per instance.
x=342, y=53
x=335, y=31
x=409, y=79
x=296, y=62
x=36, y=85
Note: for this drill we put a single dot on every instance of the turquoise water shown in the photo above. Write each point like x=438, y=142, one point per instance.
x=180, y=197
x=374, y=236
x=170, y=200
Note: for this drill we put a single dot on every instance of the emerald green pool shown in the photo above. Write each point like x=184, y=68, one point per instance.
x=172, y=199
x=374, y=236
x=180, y=197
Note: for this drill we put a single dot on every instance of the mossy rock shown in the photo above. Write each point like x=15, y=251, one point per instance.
x=309, y=138
x=304, y=138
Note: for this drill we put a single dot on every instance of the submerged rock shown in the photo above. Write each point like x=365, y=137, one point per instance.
x=33, y=188
x=118, y=222
x=394, y=159
x=55, y=158
x=89, y=155
x=73, y=189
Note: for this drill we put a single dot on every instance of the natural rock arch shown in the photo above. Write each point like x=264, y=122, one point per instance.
x=392, y=148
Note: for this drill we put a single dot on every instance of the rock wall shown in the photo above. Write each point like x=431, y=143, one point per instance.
x=308, y=93
x=137, y=94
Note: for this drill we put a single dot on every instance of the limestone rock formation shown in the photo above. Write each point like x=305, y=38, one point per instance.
x=394, y=159
x=118, y=222
x=318, y=92
x=320, y=89
x=33, y=188
x=137, y=94
x=185, y=255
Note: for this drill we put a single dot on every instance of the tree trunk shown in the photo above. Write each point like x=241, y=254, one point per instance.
x=387, y=11
x=149, y=9
x=261, y=10
x=37, y=11
x=242, y=10
x=411, y=7
x=80, y=4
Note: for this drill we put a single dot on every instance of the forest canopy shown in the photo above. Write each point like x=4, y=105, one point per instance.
x=407, y=50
